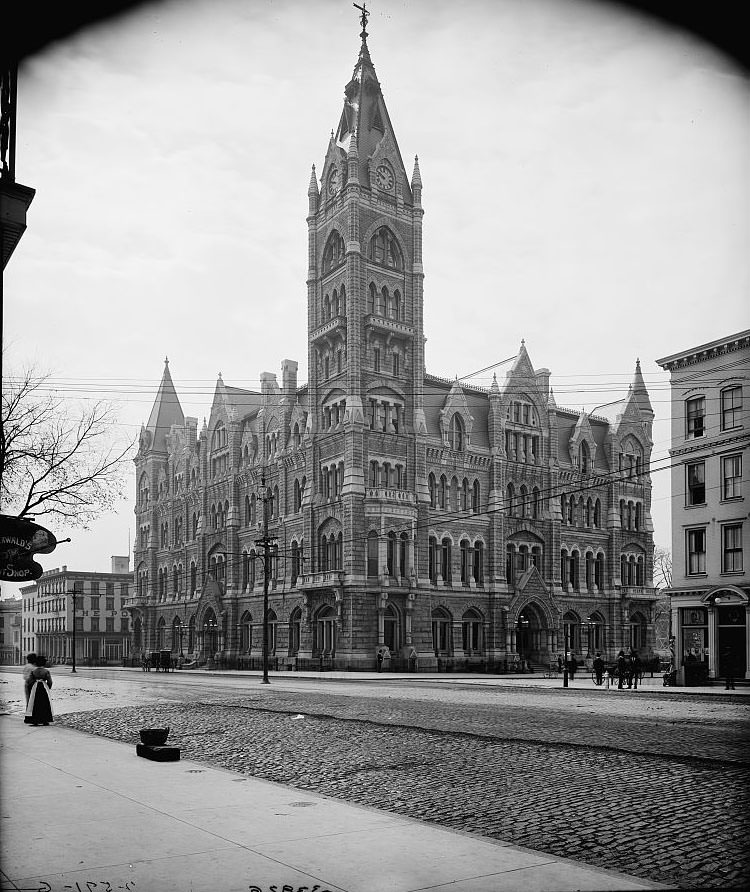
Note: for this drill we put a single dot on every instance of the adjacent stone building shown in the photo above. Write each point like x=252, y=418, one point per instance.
x=710, y=592
x=438, y=523
x=102, y=630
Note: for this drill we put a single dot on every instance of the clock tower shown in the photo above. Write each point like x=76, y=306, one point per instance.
x=365, y=326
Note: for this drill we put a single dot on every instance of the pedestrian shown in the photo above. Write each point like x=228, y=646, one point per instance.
x=598, y=668
x=559, y=664
x=380, y=660
x=39, y=707
x=634, y=669
x=727, y=658
x=622, y=668
x=27, y=670
x=573, y=667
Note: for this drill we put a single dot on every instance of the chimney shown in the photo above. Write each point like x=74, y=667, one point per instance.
x=289, y=378
x=542, y=380
x=120, y=563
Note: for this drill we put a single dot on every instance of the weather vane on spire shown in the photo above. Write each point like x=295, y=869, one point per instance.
x=363, y=18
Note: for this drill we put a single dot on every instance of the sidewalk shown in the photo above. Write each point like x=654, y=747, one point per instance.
x=85, y=813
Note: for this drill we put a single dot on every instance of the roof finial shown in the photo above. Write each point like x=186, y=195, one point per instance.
x=166, y=360
x=363, y=19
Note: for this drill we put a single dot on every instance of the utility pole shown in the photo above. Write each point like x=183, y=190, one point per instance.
x=74, y=593
x=266, y=543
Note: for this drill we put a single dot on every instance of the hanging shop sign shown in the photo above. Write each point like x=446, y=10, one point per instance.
x=20, y=540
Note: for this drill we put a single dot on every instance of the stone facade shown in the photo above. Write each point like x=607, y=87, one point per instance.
x=437, y=523
x=710, y=593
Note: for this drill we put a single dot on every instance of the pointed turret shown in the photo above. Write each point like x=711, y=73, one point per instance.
x=416, y=183
x=313, y=193
x=166, y=412
x=638, y=388
x=353, y=159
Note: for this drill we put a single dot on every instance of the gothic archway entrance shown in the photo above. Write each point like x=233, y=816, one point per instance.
x=531, y=635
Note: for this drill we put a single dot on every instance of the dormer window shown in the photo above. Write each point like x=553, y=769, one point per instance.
x=457, y=435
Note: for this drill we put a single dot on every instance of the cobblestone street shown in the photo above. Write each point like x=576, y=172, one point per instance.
x=635, y=786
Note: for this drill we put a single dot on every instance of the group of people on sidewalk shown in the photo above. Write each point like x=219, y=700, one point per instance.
x=37, y=680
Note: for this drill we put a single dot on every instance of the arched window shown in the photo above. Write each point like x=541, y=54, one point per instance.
x=391, y=554
x=334, y=252
x=296, y=561
x=510, y=564
x=471, y=633
x=325, y=632
x=445, y=560
x=295, y=624
x=193, y=577
x=535, y=505
x=456, y=435
x=465, y=570
x=597, y=514
x=599, y=571
x=524, y=502
x=478, y=568
x=475, y=497
x=442, y=491
x=442, y=640
x=432, y=559
x=454, y=494
x=372, y=553
x=246, y=633
x=398, y=305
x=143, y=491
x=402, y=555
x=384, y=249
x=584, y=458
x=272, y=624
x=465, y=500
x=433, y=490
x=372, y=302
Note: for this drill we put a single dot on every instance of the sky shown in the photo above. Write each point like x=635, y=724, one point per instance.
x=585, y=170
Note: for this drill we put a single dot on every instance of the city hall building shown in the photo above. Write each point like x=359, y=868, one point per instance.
x=439, y=524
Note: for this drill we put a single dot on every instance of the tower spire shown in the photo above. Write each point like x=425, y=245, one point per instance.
x=363, y=19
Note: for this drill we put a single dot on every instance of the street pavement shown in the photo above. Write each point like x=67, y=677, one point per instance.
x=624, y=781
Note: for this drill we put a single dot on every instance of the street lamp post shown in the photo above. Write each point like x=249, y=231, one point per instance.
x=565, y=655
x=74, y=593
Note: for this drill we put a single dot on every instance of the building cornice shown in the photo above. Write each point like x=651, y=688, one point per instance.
x=705, y=352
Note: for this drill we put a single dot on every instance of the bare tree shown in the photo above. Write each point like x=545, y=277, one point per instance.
x=57, y=460
x=662, y=567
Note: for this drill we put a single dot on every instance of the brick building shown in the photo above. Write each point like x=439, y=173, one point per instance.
x=710, y=593
x=10, y=631
x=102, y=630
x=414, y=515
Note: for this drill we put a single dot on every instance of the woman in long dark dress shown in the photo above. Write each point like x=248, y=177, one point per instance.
x=39, y=707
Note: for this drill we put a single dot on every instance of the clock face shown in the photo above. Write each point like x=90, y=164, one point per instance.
x=333, y=181
x=384, y=178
